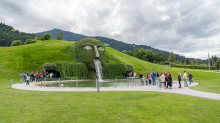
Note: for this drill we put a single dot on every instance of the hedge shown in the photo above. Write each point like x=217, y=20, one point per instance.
x=117, y=69
x=192, y=66
x=217, y=64
x=67, y=69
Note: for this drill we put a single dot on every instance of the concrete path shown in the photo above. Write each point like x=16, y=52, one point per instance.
x=175, y=90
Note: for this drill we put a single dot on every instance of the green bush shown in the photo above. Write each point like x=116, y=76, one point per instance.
x=16, y=43
x=67, y=69
x=29, y=41
x=217, y=64
x=46, y=36
x=192, y=66
x=112, y=70
x=166, y=63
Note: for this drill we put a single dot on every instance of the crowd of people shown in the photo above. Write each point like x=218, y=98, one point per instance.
x=165, y=80
x=27, y=78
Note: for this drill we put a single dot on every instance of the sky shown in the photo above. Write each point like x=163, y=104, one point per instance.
x=187, y=27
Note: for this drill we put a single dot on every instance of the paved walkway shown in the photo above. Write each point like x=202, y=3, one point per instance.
x=175, y=89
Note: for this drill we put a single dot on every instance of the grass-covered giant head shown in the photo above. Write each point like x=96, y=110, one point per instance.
x=89, y=49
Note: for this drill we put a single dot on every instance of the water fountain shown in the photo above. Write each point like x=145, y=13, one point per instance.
x=98, y=68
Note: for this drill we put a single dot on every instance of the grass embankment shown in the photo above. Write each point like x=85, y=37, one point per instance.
x=33, y=106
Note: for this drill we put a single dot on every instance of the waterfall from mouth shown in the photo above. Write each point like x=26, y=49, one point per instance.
x=98, y=68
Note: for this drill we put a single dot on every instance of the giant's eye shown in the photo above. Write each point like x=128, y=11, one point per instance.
x=101, y=48
x=87, y=47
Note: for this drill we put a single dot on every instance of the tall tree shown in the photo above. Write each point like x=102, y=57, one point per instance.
x=60, y=36
x=187, y=61
x=172, y=57
x=130, y=53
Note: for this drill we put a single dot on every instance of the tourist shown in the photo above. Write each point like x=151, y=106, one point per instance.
x=25, y=77
x=36, y=76
x=166, y=80
x=56, y=75
x=185, y=78
x=179, y=79
x=146, y=79
x=21, y=77
x=162, y=79
x=154, y=78
x=149, y=78
x=47, y=74
x=28, y=78
x=40, y=75
x=51, y=74
x=169, y=81
x=32, y=76
x=159, y=81
x=141, y=77
x=135, y=74
x=190, y=78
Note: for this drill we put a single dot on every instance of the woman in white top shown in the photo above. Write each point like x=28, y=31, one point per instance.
x=51, y=74
x=162, y=79
x=185, y=78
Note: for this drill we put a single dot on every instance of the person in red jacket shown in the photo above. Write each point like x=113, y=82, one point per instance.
x=39, y=75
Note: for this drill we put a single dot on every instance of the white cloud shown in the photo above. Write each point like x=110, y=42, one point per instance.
x=187, y=27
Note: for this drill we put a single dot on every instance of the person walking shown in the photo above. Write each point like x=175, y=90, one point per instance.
x=190, y=78
x=28, y=78
x=141, y=77
x=36, y=76
x=21, y=77
x=185, y=78
x=159, y=81
x=154, y=78
x=25, y=77
x=179, y=79
x=162, y=79
x=149, y=78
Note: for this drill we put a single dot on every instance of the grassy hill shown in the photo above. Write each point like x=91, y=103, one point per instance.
x=34, y=106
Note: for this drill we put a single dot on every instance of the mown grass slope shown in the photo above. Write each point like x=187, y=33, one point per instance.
x=34, y=106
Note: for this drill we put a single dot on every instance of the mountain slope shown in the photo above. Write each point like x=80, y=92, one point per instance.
x=118, y=45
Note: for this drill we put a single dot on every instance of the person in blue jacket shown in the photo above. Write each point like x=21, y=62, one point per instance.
x=154, y=78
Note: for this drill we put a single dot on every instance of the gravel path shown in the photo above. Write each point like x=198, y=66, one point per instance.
x=175, y=90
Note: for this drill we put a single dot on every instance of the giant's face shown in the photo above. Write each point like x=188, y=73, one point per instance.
x=89, y=49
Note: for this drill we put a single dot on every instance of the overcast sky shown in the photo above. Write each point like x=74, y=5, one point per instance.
x=187, y=27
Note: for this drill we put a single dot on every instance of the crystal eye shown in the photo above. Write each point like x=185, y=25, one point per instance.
x=101, y=48
x=87, y=47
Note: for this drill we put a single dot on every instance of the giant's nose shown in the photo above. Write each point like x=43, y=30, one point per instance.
x=96, y=52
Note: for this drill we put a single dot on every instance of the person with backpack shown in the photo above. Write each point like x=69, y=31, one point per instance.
x=190, y=78
x=154, y=78
x=179, y=79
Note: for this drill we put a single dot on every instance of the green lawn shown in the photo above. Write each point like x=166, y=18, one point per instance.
x=34, y=106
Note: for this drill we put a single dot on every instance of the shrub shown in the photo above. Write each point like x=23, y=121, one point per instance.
x=30, y=41
x=46, y=36
x=217, y=64
x=112, y=70
x=166, y=62
x=16, y=43
x=193, y=66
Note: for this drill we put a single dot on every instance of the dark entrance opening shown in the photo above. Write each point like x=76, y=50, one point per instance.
x=56, y=74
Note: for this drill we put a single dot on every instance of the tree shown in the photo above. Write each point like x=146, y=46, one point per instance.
x=141, y=54
x=149, y=55
x=16, y=43
x=183, y=60
x=172, y=57
x=124, y=51
x=46, y=36
x=30, y=41
x=217, y=64
x=60, y=36
x=195, y=61
x=130, y=53
x=162, y=57
x=37, y=38
x=187, y=61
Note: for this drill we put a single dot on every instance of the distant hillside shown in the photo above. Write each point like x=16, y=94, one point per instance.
x=118, y=45
x=8, y=34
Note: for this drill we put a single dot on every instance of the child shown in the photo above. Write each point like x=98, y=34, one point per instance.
x=28, y=78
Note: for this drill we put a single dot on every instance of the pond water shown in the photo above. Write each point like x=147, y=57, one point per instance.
x=118, y=83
